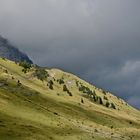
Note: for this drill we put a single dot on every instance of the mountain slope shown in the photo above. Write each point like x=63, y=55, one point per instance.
x=10, y=52
x=49, y=104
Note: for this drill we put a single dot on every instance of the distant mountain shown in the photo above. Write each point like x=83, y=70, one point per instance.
x=10, y=52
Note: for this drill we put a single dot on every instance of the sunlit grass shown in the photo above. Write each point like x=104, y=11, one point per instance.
x=32, y=111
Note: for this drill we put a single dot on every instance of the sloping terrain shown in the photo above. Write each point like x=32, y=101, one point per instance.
x=10, y=52
x=49, y=104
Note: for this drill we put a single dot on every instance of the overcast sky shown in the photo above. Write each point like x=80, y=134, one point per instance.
x=98, y=40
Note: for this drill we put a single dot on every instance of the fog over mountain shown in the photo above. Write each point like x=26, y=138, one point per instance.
x=12, y=53
x=95, y=39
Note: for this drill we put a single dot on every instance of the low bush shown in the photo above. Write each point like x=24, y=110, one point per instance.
x=82, y=101
x=26, y=66
x=107, y=104
x=51, y=84
x=60, y=81
x=100, y=100
x=105, y=98
x=41, y=74
x=67, y=90
x=113, y=106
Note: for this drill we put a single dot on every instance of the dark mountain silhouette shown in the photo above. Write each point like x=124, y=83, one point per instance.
x=7, y=50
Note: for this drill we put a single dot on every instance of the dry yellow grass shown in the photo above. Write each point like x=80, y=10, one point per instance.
x=32, y=111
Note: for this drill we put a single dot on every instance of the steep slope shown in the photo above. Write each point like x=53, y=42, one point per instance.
x=49, y=104
x=10, y=52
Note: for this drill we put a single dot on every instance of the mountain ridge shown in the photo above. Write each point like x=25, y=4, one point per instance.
x=11, y=52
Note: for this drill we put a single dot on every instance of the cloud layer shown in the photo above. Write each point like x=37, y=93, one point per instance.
x=97, y=40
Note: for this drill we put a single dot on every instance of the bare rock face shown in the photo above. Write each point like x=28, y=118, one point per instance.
x=12, y=53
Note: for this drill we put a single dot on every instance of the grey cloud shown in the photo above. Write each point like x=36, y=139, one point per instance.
x=135, y=101
x=97, y=40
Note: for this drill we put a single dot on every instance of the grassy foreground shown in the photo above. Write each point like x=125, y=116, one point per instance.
x=60, y=106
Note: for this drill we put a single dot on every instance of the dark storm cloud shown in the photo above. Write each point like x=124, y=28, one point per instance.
x=95, y=39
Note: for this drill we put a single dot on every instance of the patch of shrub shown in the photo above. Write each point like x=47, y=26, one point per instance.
x=95, y=98
x=100, y=100
x=41, y=74
x=3, y=58
x=70, y=94
x=58, y=94
x=104, y=92
x=113, y=106
x=24, y=70
x=19, y=83
x=95, y=130
x=82, y=101
x=77, y=83
x=26, y=66
x=67, y=90
x=60, y=81
x=105, y=98
x=6, y=71
x=107, y=104
x=111, y=127
x=87, y=90
x=51, y=84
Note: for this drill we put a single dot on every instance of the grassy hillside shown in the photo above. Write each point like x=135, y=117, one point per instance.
x=49, y=104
